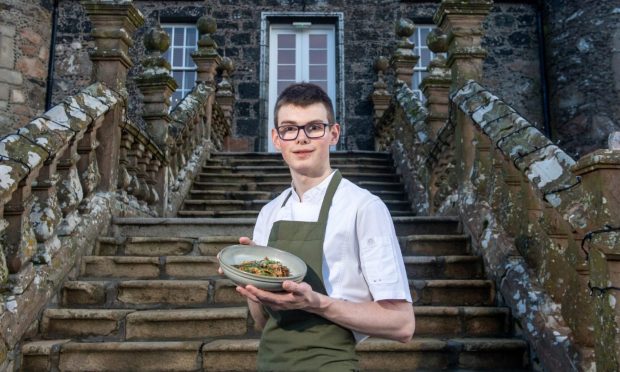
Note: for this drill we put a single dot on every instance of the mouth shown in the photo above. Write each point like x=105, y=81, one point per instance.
x=302, y=153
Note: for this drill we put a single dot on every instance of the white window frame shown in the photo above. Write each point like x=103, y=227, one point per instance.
x=419, y=70
x=182, y=88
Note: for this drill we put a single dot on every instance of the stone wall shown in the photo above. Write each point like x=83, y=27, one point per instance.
x=25, y=33
x=511, y=69
x=583, y=46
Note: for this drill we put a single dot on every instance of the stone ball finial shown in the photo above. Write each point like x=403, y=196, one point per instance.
x=382, y=64
x=405, y=27
x=227, y=65
x=437, y=41
x=156, y=40
x=206, y=25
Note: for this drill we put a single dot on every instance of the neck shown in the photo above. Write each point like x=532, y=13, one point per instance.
x=303, y=183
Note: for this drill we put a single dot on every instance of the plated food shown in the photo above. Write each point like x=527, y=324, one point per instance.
x=265, y=267
x=261, y=266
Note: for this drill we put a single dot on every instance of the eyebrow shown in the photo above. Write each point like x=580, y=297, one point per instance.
x=316, y=121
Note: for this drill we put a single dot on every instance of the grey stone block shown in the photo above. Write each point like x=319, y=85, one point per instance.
x=11, y=77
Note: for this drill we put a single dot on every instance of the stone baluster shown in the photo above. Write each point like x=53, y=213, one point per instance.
x=381, y=98
x=153, y=168
x=156, y=86
x=113, y=23
x=436, y=85
x=206, y=57
x=135, y=153
x=462, y=23
x=143, y=162
x=70, y=191
x=600, y=176
x=124, y=177
x=225, y=94
x=88, y=163
x=4, y=270
x=404, y=59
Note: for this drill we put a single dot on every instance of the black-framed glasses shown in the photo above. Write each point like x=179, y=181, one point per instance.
x=313, y=130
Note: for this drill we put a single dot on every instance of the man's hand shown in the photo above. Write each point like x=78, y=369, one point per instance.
x=295, y=296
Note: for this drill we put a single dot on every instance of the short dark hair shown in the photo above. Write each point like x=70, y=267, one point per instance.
x=304, y=95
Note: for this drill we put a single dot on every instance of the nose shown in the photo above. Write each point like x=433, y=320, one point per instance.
x=302, y=137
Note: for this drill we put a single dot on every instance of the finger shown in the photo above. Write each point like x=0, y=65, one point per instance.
x=247, y=294
x=220, y=271
x=246, y=241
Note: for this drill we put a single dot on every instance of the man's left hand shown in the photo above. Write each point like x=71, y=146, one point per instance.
x=295, y=296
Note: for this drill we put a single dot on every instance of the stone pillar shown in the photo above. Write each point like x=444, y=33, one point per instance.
x=600, y=176
x=156, y=86
x=113, y=23
x=206, y=56
x=404, y=60
x=462, y=21
x=381, y=101
x=225, y=95
x=436, y=85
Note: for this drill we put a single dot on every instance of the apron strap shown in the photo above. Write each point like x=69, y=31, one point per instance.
x=329, y=195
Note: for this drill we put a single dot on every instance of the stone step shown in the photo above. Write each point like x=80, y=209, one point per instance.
x=183, y=227
x=462, y=321
x=138, y=267
x=266, y=195
x=240, y=355
x=163, y=246
x=119, y=325
x=198, y=227
x=424, y=225
x=278, y=187
x=171, y=293
x=452, y=292
x=64, y=355
x=256, y=177
x=256, y=205
x=434, y=245
x=249, y=214
x=444, y=267
x=284, y=169
x=489, y=354
x=336, y=161
x=335, y=156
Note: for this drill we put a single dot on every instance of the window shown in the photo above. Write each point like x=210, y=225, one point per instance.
x=426, y=56
x=183, y=39
x=300, y=52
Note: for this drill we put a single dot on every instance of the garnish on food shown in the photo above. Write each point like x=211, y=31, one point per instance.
x=265, y=267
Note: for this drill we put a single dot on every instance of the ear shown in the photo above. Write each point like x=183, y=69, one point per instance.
x=334, y=134
x=275, y=139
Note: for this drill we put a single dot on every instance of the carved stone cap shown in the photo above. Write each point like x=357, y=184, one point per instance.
x=156, y=41
x=206, y=27
x=382, y=64
x=114, y=8
x=460, y=7
x=437, y=41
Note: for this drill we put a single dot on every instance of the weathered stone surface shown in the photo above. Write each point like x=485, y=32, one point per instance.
x=120, y=267
x=237, y=355
x=36, y=355
x=225, y=293
x=187, y=324
x=452, y=292
x=144, y=356
x=144, y=246
x=82, y=322
x=211, y=245
x=187, y=292
x=79, y=293
x=191, y=267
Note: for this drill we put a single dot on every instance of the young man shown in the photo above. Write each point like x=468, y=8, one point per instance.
x=356, y=283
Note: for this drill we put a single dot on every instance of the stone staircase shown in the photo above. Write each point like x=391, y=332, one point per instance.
x=150, y=298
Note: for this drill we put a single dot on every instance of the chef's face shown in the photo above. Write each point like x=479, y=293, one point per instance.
x=306, y=156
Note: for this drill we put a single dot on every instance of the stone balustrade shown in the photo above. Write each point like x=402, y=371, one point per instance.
x=546, y=225
x=67, y=173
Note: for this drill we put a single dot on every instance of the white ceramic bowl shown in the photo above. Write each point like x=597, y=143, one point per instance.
x=236, y=254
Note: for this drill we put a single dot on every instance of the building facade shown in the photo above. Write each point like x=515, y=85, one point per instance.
x=554, y=61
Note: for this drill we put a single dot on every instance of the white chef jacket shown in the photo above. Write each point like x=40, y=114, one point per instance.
x=361, y=254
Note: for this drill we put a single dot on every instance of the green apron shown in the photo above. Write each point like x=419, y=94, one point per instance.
x=296, y=340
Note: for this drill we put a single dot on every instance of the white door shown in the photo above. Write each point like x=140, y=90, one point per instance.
x=300, y=53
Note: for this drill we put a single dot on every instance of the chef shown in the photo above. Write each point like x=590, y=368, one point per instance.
x=356, y=285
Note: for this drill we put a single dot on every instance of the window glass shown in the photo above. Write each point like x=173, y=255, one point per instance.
x=183, y=42
x=426, y=56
